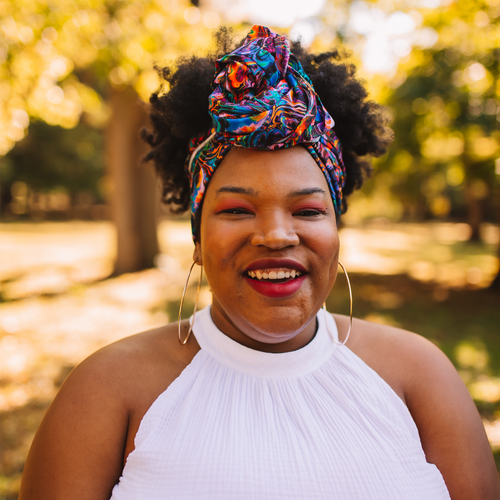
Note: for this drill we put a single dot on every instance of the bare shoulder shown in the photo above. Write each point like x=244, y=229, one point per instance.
x=397, y=355
x=138, y=360
x=450, y=429
x=131, y=371
x=127, y=376
x=83, y=441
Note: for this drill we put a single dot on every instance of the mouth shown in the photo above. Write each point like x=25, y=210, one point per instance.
x=275, y=278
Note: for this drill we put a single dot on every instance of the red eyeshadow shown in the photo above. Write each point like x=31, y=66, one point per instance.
x=311, y=205
x=231, y=203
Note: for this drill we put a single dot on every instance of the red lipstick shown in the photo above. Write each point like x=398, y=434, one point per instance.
x=274, y=290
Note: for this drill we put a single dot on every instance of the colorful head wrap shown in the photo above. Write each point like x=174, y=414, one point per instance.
x=262, y=99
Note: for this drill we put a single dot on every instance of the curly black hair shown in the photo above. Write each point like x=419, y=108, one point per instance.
x=179, y=113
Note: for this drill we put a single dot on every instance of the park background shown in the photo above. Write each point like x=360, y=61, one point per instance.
x=88, y=255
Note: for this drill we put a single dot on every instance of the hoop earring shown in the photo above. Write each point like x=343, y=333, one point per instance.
x=184, y=342
x=338, y=342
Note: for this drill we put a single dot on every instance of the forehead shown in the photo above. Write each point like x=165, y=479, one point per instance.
x=269, y=171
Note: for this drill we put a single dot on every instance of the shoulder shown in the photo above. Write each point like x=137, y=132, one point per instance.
x=126, y=377
x=82, y=443
x=131, y=367
x=400, y=357
x=138, y=359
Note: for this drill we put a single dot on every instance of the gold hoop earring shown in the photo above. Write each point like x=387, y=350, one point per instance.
x=184, y=342
x=338, y=342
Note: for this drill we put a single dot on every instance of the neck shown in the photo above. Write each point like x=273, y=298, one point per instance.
x=246, y=334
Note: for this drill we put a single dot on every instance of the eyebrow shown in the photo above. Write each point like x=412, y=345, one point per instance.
x=236, y=190
x=252, y=192
x=306, y=191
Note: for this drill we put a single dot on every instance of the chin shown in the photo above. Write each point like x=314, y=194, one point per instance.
x=276, y=325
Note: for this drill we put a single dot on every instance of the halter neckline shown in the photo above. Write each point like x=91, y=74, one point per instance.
x=266, y=364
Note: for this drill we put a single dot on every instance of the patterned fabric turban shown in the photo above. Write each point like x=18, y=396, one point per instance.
x=262, y=99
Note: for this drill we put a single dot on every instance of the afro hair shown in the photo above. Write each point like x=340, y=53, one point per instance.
x=182, y=112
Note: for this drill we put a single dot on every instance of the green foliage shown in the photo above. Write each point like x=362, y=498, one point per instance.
x=58, y=58
x=446, y=112
x=51, y=157
x=59, y=62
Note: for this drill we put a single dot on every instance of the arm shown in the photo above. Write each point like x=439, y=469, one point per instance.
x=450, y=428
x=78, y=450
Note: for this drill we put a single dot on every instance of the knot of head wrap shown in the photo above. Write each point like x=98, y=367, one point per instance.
x=263, y=99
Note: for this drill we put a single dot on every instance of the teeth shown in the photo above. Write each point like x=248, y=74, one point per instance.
x=273, y=275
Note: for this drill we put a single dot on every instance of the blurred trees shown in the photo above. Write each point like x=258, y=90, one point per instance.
x=90, y=61
x=50, y=169
x=446, y=116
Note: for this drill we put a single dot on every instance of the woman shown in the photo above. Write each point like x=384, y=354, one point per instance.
x=269, y=397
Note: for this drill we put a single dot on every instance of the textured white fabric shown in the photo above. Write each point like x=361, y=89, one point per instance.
x=316, y=423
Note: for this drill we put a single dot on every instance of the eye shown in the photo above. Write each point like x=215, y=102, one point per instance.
x=234, y=211
x=309, y=212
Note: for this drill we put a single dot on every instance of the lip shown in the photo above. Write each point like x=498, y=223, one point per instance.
x=270, y=263
x=276, y=290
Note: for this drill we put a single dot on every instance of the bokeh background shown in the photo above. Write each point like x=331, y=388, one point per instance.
x=88, y=255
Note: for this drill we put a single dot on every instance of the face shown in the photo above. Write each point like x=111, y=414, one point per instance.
x=268, y=216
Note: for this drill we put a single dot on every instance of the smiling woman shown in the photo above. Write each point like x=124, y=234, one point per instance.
x=274, y=214
x=269, y=398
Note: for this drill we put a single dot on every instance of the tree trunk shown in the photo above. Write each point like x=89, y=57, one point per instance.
x=133, y=184
x=495, y=284
x=5, y=198
x=474, y=212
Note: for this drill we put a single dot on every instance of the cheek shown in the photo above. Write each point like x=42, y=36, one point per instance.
x=334, y=251
x=324, y=239
x=219, y=247
x=324, y=244
x=221, y=237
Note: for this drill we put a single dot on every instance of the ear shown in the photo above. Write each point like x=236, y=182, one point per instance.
x=197, y=254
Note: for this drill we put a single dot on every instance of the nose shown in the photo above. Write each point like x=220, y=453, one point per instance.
x=275, y=232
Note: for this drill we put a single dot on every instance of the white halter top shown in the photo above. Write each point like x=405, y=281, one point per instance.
x=316, y=423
